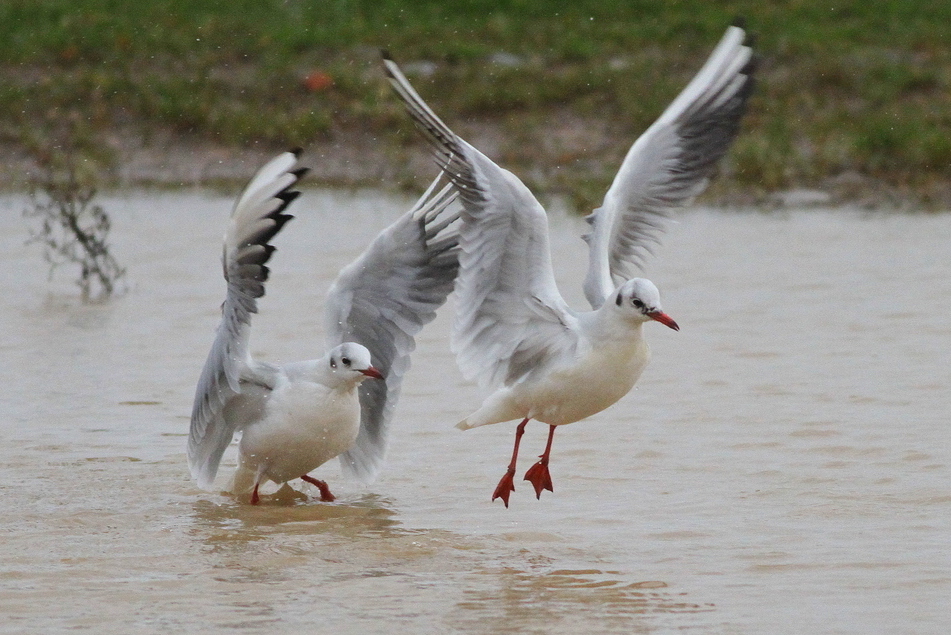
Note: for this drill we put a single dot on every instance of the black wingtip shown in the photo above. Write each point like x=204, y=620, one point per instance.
x=385, y=54
x=749, y=39
x=296, y=151
x=288, y=196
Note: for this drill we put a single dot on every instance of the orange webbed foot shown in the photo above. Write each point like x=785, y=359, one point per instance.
x=325, y=494
x=539, y=476
x=505, y=487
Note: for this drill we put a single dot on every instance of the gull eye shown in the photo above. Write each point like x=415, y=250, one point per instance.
x=346, y=361
x=637, y=303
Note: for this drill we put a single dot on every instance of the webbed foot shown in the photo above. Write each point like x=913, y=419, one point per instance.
x=325, y=493
x=539, y=476
x=505, y=487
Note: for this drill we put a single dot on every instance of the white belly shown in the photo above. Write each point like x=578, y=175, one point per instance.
x=304, y=426
x=586, y=387
x=558, y=402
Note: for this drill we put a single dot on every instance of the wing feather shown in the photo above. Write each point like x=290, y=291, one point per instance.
x=383, y=299
x=511, y=321
x=258, y=215
x=668, y=165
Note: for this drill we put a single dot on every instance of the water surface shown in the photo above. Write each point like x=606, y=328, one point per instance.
x=782, y=467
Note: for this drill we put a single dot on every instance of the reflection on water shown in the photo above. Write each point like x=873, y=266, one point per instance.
x=516, y=601
x=781, y=467
x=291, y=512
x=363, y=541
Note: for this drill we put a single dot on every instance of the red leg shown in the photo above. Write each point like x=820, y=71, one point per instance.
x=538, y=474
x=255, y=499
x=507, y=485
x=325, y=494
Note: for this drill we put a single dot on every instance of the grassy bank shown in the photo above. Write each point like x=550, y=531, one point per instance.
x=850, y=93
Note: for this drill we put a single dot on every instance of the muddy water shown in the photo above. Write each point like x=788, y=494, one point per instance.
x=782, y=467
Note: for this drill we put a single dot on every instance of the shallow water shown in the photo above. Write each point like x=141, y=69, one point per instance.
x=782, y=467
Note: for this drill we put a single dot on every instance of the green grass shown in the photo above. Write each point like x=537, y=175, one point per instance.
x=846, y=87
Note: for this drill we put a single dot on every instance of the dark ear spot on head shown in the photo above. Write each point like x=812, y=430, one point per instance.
x=333, y=363
x=619, y=299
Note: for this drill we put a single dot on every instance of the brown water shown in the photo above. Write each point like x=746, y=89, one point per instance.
x=782, y=467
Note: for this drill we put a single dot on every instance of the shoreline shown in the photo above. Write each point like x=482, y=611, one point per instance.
x=356, y=159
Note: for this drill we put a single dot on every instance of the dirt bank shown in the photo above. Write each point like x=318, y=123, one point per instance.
x=576, y=160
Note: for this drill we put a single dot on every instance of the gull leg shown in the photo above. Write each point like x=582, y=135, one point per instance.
x=538, y=474
x=325, y=494
x=259, y=478
x=507, y=485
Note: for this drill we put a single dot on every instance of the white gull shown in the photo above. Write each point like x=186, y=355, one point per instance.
x=513, y=331
x=295, y=417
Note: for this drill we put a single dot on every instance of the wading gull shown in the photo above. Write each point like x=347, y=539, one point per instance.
x=295, y=417
x=513, y=331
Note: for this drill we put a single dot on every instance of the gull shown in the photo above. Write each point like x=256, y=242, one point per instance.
x=297, y=416
x=513, y=332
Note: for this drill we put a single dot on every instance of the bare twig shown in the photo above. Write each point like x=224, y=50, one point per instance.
x=71, y=228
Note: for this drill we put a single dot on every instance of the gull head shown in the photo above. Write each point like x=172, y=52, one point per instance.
x=351, y=362
x=639, y=300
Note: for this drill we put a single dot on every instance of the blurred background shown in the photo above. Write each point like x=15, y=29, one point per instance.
x=783, y=466
x=853, y=102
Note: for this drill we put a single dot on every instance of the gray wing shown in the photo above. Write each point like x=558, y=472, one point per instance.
x=382, y=300
x=669, y=164
x=511, y=321
x=229, y=371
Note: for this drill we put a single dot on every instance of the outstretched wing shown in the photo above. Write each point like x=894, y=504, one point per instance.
x=511, y=321
x=669, y=164
x=382, y=300
x=257, y=217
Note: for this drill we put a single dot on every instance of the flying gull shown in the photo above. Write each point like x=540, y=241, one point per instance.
x=513, y=331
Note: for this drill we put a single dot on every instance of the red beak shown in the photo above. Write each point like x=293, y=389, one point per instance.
x=372, y=372
x=664, y=319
